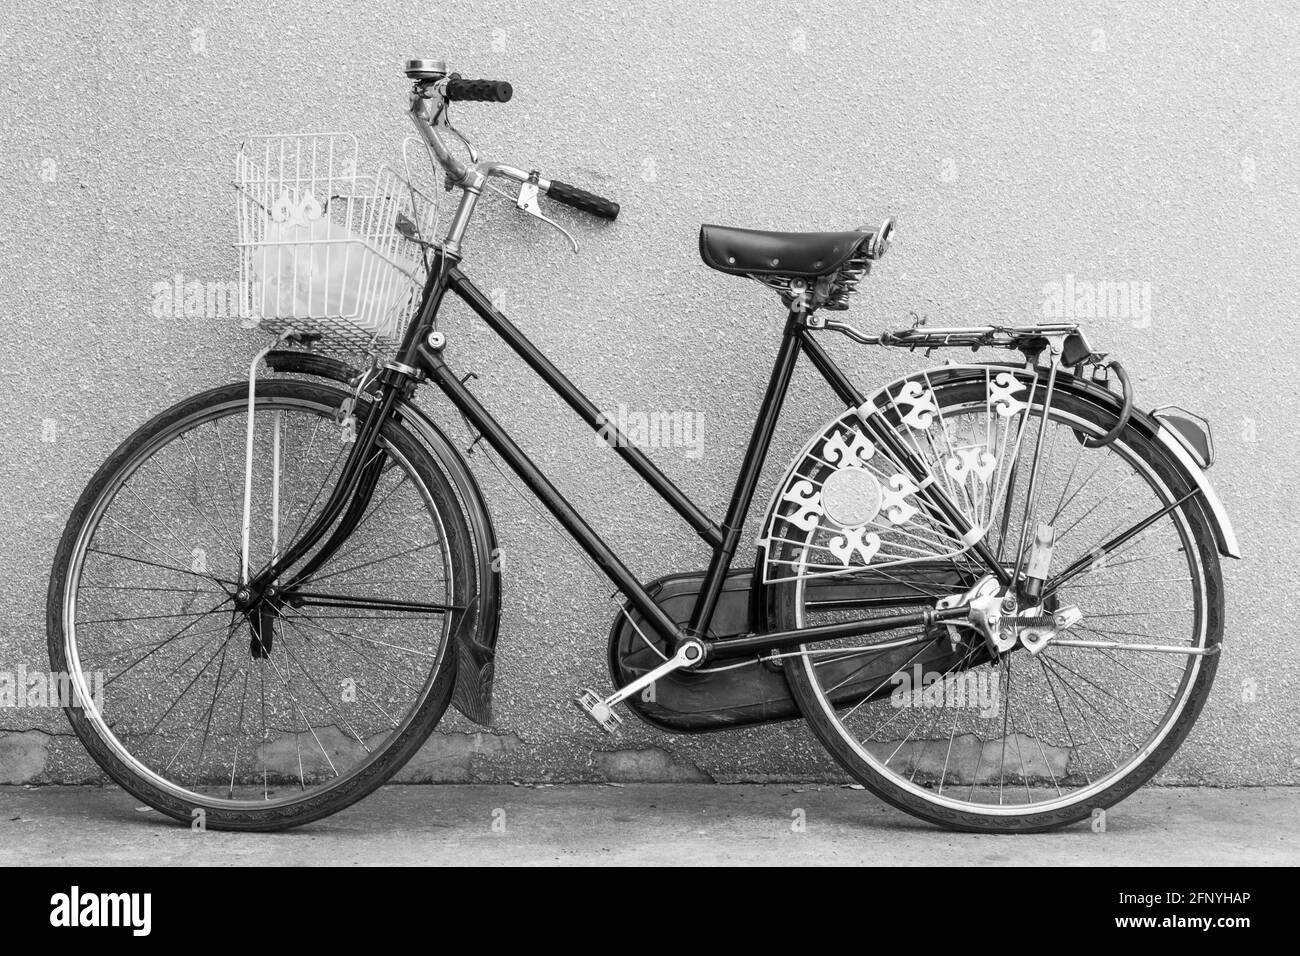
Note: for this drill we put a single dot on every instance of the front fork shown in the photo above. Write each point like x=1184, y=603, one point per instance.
x=262, y=594
x=351, y=495
x=352, y=492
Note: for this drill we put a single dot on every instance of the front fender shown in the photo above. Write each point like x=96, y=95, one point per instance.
x=476, y=635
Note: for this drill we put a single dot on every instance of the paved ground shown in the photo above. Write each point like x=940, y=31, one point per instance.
x=647, y=824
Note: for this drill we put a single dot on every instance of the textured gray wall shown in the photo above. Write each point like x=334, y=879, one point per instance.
x=1016, y=143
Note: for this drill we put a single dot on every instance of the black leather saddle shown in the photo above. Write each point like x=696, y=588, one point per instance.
x=741, y=252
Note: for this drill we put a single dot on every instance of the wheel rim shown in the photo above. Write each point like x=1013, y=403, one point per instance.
x=348, y=683
x=1044, y=780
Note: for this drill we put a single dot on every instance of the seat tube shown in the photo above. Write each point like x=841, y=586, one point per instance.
x=756, y=454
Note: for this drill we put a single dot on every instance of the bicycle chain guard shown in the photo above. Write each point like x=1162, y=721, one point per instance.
x=703, y=700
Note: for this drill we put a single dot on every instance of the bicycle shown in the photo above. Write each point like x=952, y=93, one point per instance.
x=992, y=589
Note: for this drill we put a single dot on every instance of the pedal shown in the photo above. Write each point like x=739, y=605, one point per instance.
x=594, y=706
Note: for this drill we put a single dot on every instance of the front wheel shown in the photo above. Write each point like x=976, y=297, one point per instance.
x=272, y=718
x=939, y=724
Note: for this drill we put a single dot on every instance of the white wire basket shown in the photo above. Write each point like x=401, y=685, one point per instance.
x=320, y=253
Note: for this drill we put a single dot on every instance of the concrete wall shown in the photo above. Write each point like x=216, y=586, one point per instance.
x=1017, y=143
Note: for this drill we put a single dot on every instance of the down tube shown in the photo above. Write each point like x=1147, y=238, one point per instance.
x=547, y=493
x=626, y=449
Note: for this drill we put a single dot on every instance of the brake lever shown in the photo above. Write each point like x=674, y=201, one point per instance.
x=527, y=201
x=473, y=153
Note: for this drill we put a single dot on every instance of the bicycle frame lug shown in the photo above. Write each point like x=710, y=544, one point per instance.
x=988, y=613
x=954, y=633
x=998, y=629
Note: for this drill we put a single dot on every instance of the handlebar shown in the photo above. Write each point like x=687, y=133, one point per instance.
x=434, y=89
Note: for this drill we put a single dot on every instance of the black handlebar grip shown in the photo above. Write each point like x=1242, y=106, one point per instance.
x=581, y=199
x=490, y=91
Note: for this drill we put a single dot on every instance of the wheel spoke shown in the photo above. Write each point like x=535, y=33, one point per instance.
x=1049, y=730
x=203, y=699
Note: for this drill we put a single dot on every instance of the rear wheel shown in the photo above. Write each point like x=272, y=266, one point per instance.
x=177, y=695
x=940, y=725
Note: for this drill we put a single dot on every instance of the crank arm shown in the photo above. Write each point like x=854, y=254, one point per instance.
x=527, y=201
x=689, y=654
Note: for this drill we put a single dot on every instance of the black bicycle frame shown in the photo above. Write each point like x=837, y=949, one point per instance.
x=418, y=356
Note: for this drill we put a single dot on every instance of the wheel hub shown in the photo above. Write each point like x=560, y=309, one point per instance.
x=999, y=619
